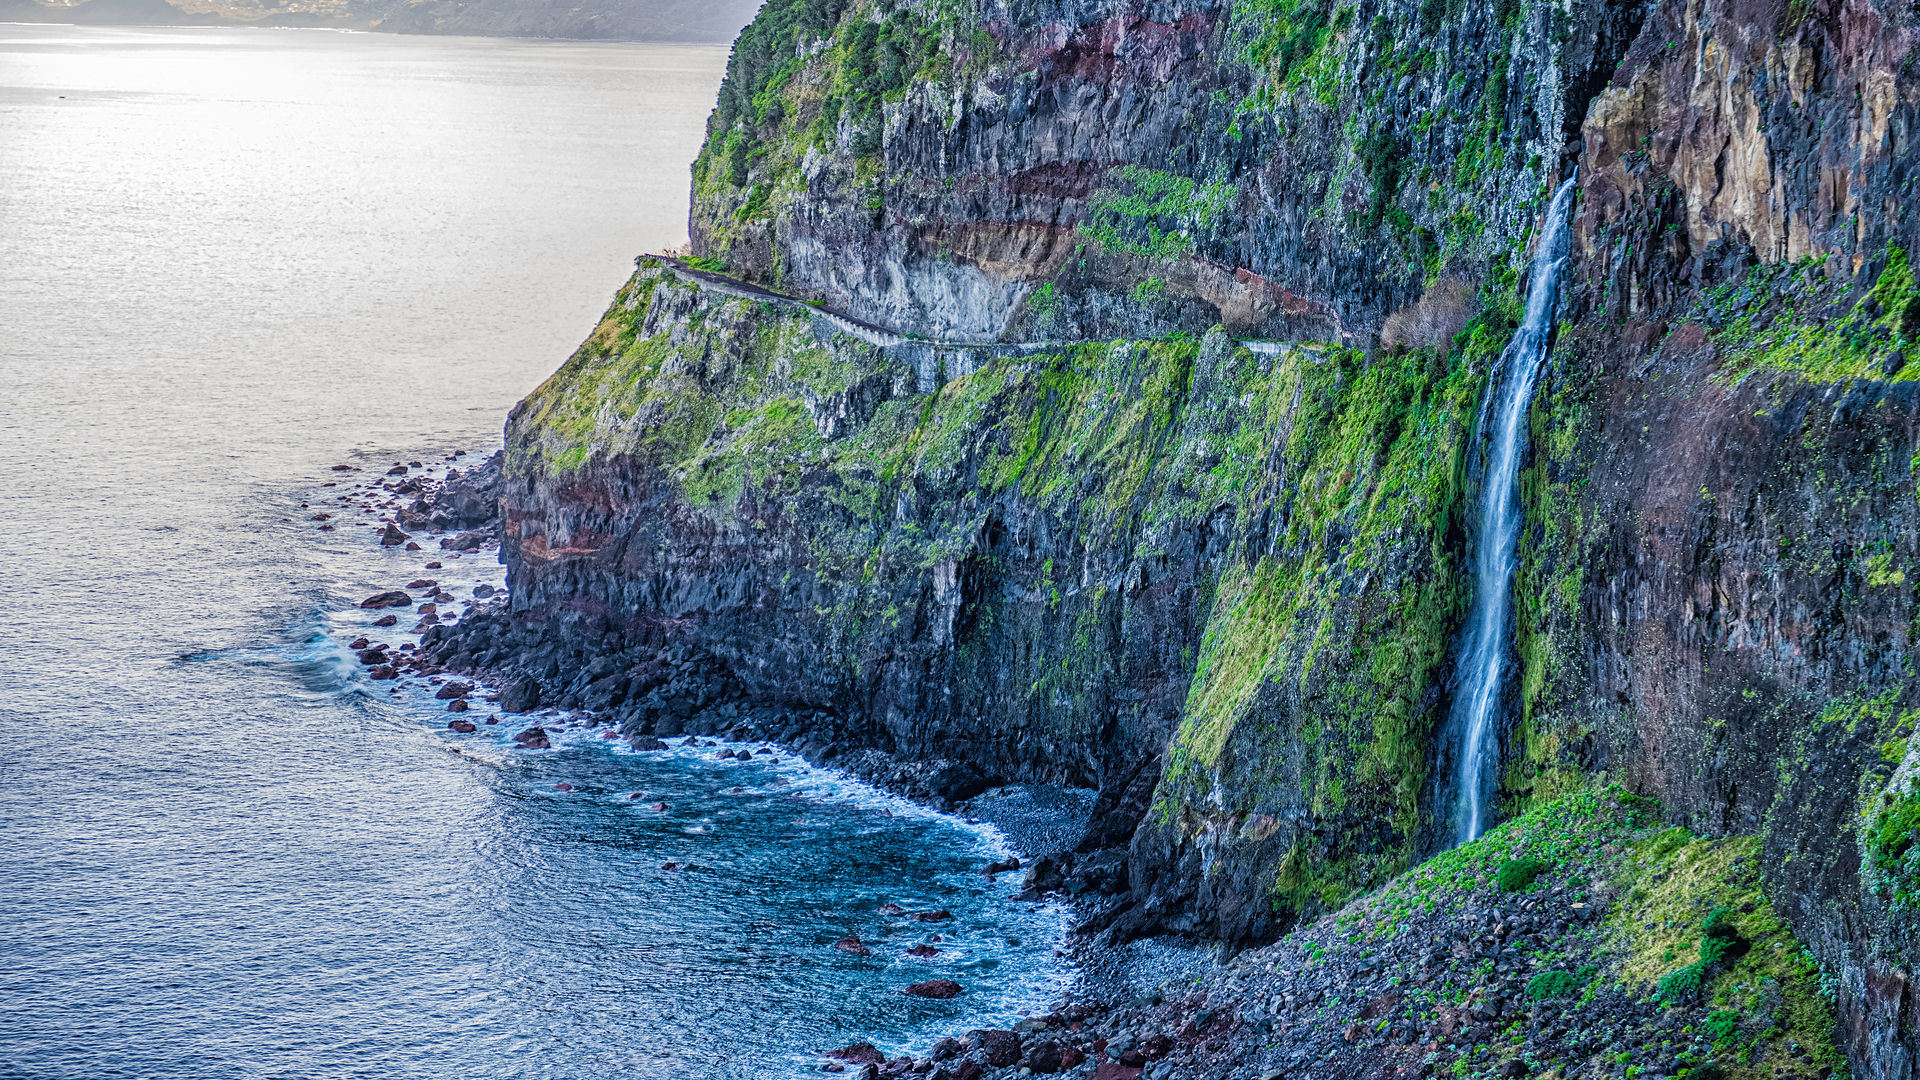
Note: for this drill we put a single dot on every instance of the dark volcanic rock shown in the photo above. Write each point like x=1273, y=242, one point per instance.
x=860, y=1053
x=387, y=599
x=472, y=540
x=534, y=738
x=1002, y=1047
x=520, y=695
x=935, y=988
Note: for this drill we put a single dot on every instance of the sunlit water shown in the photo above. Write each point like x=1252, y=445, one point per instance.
x=229, y=259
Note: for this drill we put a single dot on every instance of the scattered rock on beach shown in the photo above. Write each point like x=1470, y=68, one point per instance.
x=464, y=727
x=393, y=537
x=382, y=671
x=458, y=705
x=534, y=738
x=454, y=689
x=1002, y=1046
x=395, y=598
x=646, y=742
x=386, y=620
x=484, y=592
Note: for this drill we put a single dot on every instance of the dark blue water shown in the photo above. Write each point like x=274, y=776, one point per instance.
x=231, y=259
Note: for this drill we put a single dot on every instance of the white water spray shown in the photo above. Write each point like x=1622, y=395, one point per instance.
x=1483, y=654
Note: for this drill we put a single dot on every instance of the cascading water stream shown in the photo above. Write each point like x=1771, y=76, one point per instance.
x=1479, y=690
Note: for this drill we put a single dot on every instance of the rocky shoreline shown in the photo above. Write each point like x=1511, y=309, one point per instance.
x=1556, y=945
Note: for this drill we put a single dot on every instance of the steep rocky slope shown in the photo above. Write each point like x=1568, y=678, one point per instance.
x=1222, y=584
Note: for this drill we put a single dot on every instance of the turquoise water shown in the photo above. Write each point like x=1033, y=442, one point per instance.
x=232, y=259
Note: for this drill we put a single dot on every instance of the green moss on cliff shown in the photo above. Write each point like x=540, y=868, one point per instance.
x=1154, y=214
x=1791, y=317
x=1312, y=688
x=1694, y=924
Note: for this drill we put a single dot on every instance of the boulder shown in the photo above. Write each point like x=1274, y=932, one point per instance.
x=1044, y=1057
x=464, y=727
x=471, y=540
x=382, y=671
x=534, y=738
x=941, y=915
x=454, y=689
x=484, y=591
x=860, y=1053
x=418, y=584
x=458, y=705
x=395, y=598
x=1002, y=1047
x=942, y=989
x=375, y=655
x=520, y=695
x=387, y=620
x=646, y=742
x=392, y=536
x=852, y=945
x=923, y=950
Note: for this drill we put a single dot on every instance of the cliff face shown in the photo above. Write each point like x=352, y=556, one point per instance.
x=1081, y=170
x=1223, y=584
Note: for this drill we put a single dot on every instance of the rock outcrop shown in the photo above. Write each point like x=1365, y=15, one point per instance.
x=1221, y=581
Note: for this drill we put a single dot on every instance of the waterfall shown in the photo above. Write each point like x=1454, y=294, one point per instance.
x=1480, y=683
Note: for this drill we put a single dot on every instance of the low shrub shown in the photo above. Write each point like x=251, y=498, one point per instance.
x=1552, y=984
x=1517, y=874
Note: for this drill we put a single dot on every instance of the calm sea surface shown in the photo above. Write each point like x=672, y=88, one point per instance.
x=228, y=260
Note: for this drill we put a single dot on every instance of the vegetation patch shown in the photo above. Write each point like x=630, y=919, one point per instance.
x=1154, y=214
x=1793, y=317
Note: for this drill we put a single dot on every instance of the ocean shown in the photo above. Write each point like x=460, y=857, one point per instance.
x=229, y=260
